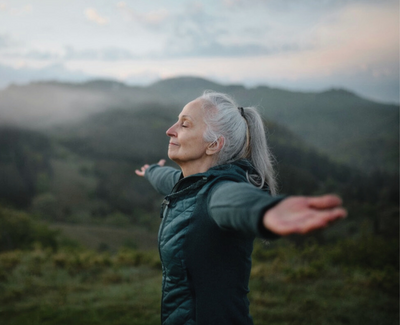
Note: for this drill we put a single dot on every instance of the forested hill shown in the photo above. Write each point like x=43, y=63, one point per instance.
x=83, y=172
x=339, y=123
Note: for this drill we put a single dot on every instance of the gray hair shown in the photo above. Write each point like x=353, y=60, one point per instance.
x=244, y=136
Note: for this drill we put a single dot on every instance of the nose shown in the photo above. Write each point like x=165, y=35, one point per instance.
x=171, y=132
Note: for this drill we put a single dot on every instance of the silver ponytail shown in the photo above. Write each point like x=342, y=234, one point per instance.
x=243, y=133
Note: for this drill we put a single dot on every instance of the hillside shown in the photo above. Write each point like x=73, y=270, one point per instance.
x=86, y=171
x=340, y=124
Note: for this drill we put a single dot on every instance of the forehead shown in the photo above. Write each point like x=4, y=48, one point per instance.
x=193, y=110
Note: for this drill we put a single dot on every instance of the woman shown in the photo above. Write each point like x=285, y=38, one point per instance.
x=214, y=207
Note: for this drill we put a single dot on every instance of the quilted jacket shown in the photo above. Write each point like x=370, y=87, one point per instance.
x=209, y=222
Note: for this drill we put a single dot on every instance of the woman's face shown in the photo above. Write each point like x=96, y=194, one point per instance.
x=187, y=145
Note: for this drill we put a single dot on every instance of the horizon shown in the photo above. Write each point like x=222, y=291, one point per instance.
x=308, y=47
x=308, y=91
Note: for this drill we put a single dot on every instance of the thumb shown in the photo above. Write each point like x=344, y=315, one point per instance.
x=324, y=202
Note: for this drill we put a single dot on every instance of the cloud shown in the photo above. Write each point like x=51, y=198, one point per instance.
x=214, y=48
x=25, y=75
x=42, y=55
x=71, y=54
x=295, y=4
x=16, y=11
x=195, y=32
x=156, y=17
x=233, y=3
x=18, y=53
x=286, y=40
x=6, y=41
x=360, y=37
x=92, y=15
x=152, y=19
x=105, y=54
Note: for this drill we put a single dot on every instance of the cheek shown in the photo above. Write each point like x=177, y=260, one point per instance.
x=201, y=146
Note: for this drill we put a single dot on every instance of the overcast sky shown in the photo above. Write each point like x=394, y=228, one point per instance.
x=308, y=45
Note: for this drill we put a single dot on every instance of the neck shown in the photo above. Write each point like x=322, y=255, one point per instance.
x=195, y=167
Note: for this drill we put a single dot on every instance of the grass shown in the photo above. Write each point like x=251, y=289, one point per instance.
x=80, y=288
x=354, y=281
x=289, y=285
x=325, y=300
x=108, y=237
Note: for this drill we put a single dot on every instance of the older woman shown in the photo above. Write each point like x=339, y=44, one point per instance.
x=215, y=205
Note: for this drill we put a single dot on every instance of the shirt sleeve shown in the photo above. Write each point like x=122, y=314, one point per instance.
x=163, y=179
x=241, y=207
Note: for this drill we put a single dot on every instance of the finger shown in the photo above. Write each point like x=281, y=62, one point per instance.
x=321, y=220
x=139, y=173
x=324, y=202
x=161, y=162
x=306, y=222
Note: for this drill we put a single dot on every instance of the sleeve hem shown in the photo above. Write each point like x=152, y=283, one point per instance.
x=263, y=232
x=146, y=173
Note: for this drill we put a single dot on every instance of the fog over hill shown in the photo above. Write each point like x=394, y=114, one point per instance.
x=339, y=123
x=73, y=155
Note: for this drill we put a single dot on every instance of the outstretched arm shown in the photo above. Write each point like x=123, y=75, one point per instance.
x=300, y=215
x=162, y=179
x=243, y=207
x=142, y=170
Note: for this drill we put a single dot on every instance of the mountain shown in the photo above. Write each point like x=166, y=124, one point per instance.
x=348, y=128
x=83, y=172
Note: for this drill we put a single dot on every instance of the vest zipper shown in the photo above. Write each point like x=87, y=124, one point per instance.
x=164, y=210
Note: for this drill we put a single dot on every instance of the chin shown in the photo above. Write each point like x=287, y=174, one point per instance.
x=171, y=156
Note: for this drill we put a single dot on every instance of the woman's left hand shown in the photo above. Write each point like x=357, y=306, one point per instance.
x=142, y=170
x=300, y=215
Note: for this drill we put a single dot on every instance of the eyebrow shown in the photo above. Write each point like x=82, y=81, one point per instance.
x=186, y=116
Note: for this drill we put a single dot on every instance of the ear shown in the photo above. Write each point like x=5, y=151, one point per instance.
x=215, y=147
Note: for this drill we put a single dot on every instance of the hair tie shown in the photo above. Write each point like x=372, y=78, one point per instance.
x=241, y=110
x=248, y=148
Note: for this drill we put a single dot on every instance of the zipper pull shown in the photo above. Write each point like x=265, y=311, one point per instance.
x=164, y=205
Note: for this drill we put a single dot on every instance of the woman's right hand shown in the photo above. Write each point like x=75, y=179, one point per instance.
x=301, y=215
x=142, y=170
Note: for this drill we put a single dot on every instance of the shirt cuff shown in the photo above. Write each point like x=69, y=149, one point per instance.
x=263, y=232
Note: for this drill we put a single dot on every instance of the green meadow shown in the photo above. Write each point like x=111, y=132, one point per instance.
x=353, y=281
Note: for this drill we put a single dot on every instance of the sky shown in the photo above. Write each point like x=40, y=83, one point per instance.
x=308, y=45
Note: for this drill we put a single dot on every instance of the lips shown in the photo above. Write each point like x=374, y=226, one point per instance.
x=173, y=144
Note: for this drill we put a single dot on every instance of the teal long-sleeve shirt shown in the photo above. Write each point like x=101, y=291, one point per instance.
x=233, y=206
